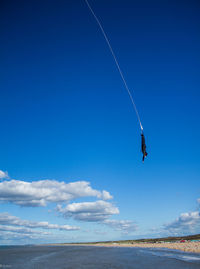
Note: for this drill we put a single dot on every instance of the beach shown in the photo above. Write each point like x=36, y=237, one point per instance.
x=185, y=246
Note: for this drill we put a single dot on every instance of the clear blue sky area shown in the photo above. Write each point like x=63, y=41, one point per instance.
x=65, y=114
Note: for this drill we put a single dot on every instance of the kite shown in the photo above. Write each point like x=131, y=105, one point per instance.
x=122, y=77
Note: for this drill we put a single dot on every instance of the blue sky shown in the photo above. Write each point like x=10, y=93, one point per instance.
x=65, y=116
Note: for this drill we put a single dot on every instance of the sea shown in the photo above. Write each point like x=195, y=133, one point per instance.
x=95, y=257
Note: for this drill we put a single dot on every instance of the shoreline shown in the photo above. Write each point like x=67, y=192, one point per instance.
x=193, y=247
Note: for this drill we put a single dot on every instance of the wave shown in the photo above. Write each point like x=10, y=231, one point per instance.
x=174, y=254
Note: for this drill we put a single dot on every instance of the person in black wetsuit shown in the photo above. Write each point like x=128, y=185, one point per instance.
x=143, y=147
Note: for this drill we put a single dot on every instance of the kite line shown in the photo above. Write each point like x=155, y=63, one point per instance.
x=116, y=62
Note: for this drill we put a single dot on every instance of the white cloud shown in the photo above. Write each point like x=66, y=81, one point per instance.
x=21, y=230
x=186, y=222
x=9, y=220
x=124, y=226
x=39, y=193
x=100, y=212
x=105, y=195
x=9, y=236
x=3, y=174
x=89, y=211
x=42, y=192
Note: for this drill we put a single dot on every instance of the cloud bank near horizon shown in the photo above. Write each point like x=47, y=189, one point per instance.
x=15, y=228
x=186, y=222
x=43, y=192
x=8, y=220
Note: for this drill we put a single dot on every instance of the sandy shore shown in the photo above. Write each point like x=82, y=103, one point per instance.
x=186, y=246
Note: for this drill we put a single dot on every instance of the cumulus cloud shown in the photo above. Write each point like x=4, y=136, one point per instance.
x=42, y=192
x=7, y=220
x=105, y=195
x=100, y=212
x=3, y=174
x=124, y=226
x=39, y=193
x=186, y=222
x=89, y=211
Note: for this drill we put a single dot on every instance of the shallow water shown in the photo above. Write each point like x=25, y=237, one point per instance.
x=87, y=257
